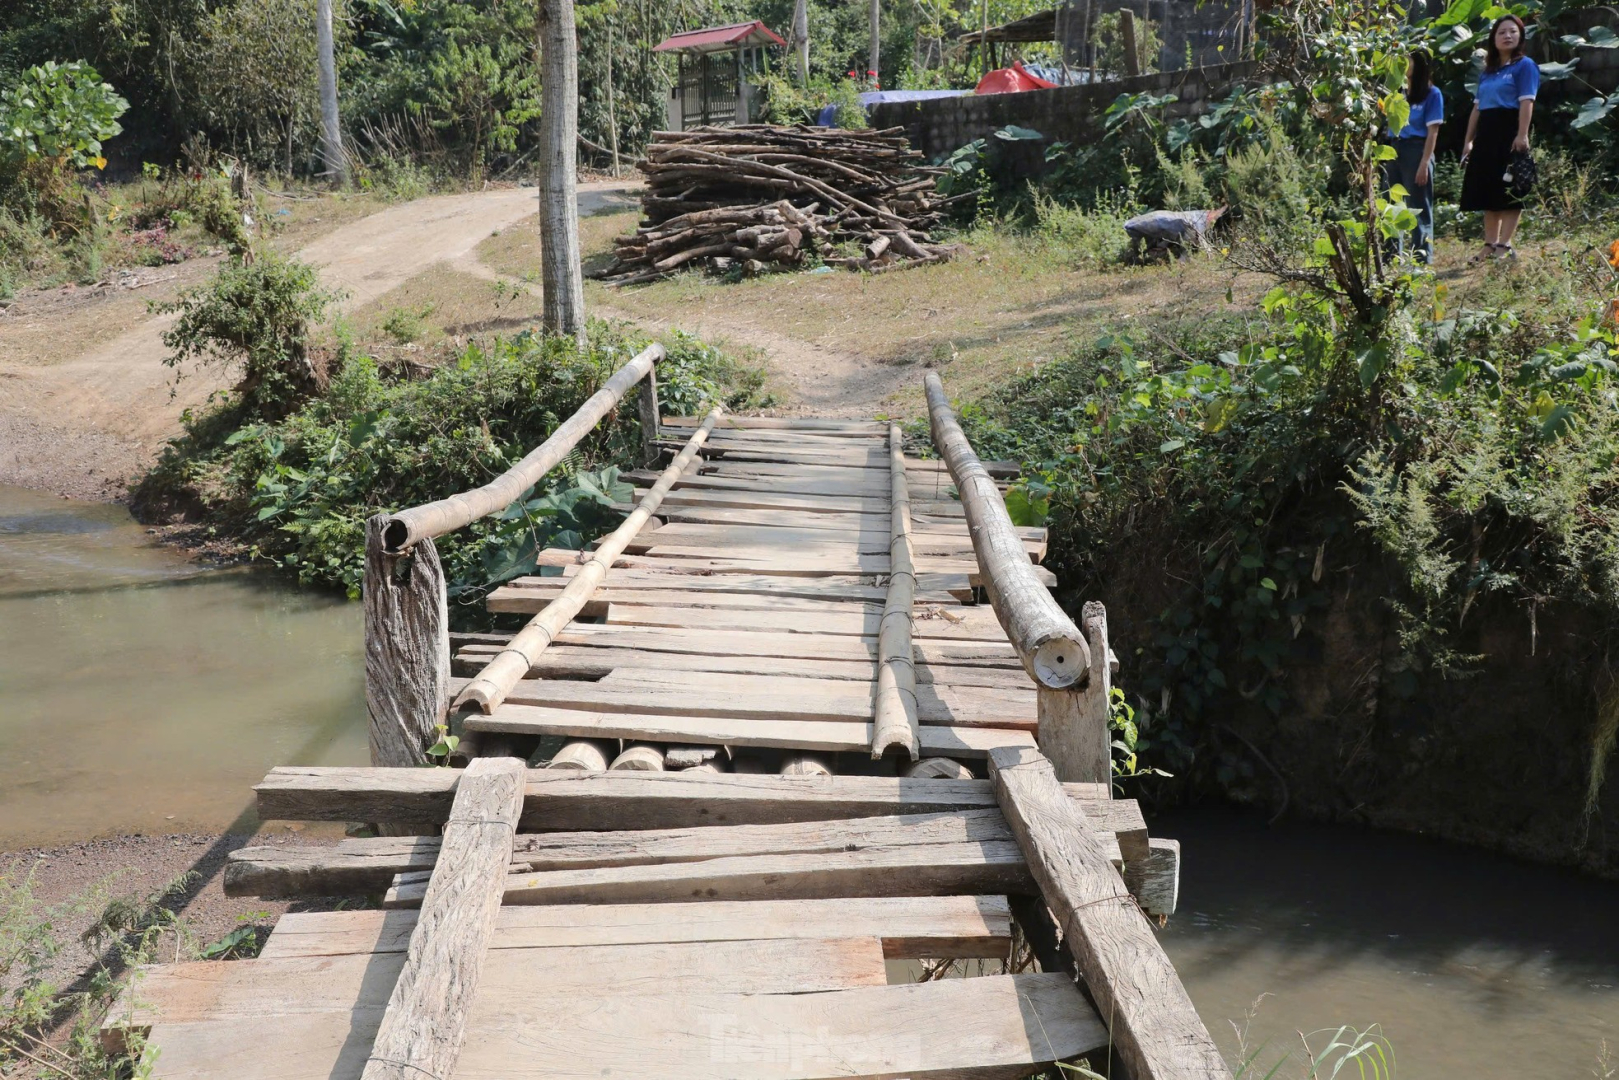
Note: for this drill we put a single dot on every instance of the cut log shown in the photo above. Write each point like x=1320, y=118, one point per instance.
x=1053, y=650
x=639, y=759
x=1154, y=1029
x=422, y=1031
x=1155, y=880
x=581, y=755
x=407, y=648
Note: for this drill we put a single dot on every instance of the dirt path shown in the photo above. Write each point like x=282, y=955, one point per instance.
x=83, y=425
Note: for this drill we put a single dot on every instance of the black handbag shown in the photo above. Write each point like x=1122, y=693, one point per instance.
x=1521, y=174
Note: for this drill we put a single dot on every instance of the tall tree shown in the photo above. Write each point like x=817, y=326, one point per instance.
x=876, y=43
x=560, y=274
x=331, y=132
x=801, y=41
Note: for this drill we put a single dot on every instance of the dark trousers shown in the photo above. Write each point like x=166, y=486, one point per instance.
x=1419, y=197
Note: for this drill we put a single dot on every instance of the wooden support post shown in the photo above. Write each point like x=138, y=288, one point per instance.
x=1154, y=1028
x=407, y=648
x=1127, y=36
x=421, y=1032
x=646, y=404
x=1073, y=721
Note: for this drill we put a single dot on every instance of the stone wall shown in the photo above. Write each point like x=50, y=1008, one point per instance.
x=1069, y=114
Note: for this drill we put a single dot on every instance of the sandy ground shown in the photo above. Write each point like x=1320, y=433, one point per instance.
x=82, y=425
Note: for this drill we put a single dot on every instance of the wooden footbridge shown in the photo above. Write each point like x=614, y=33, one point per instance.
x=808, y=714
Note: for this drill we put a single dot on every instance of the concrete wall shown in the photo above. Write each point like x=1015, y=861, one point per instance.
x=1069, y=114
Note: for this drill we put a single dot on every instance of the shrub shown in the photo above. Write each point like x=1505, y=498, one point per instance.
x=1093, y=237
x=299, y=489
x=59, y=112
x=785, y=102
x=258, y=315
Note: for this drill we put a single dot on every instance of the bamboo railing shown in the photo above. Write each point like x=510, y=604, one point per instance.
x=407, y=630
x=1070, y=668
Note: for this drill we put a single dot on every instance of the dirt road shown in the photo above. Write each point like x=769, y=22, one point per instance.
x=83, y=424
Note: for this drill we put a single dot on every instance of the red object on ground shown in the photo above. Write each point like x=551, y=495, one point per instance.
x=716, y=38
x=1012, y=80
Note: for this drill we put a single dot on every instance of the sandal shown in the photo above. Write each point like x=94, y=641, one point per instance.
x=1504, y=251
x=1483, y=256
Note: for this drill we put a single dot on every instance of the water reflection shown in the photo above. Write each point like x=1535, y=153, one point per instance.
x=144, y=694
x=1475, y=965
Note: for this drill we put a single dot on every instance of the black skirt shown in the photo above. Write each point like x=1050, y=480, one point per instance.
x=1482, y=185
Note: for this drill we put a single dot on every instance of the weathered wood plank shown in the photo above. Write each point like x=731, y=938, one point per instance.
x=829, y=736
x=422, y=1030
x=954, y=927
x=242, y=992
x=370, y=865
x=564, y=661
x=407, y=648
x=753, y=697
x=998, y=1027
x=930, y=870
x=1155, y=1030
x=606, y=801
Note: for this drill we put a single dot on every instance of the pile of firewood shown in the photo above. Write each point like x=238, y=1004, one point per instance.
x=759, y=196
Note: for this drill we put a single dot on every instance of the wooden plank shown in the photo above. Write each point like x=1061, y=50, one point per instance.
x=1154, y=878
x=425, y=1022
x=807, y=646
x=829, y=736
x=1155, y=1030
x=757, y=697
x=239, y=992
x=521, y=600
x=607, y=801
x=567, y=661
x=786, y=423
x=932, y=621
x=369, y=865
x=997, y=1027
x=930, y=870
x=956, y=927
x=699, y=849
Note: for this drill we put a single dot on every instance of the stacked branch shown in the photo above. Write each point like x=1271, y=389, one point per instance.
x=760, y=196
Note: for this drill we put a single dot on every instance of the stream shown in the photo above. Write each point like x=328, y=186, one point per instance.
x=141, y=693
x=145, y=694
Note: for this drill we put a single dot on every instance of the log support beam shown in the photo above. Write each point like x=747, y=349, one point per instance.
x=407, y=648
x=1154, y=1029
x=1074, y=721
x=422, y=1031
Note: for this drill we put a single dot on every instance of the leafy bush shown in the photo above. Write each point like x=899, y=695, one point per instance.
x=786, y=102
x=258, y=315
x=59, y=112
x=299, y=489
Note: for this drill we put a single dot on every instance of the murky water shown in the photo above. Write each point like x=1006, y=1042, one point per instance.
x=141, y=693
x=1474, y=965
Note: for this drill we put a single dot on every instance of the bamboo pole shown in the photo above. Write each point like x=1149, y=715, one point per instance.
x=894, y=723
x=490, y=688
x=446, y=515
x=1051, y=647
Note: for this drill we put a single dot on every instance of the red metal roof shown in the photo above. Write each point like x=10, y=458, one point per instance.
x=717, y=38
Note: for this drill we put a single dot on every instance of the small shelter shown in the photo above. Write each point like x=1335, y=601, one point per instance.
x=717, y=65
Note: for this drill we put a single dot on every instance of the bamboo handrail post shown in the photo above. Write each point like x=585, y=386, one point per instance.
x=409, y=527
x=498, y=677
x=894, y=712
x=1055, y=652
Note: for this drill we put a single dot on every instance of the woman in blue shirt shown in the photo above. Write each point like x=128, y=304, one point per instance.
x=1412, y=167
x=1498, y=128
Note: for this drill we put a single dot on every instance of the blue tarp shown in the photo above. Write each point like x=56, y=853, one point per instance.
x=829, y=115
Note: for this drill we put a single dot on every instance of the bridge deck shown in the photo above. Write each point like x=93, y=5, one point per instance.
x=729, y=900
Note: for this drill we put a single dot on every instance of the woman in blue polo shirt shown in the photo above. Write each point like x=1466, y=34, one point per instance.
x=1498, y=128
x=1412, y=167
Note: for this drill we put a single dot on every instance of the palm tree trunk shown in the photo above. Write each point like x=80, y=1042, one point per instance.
x=560, y=273
x=331, y=132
